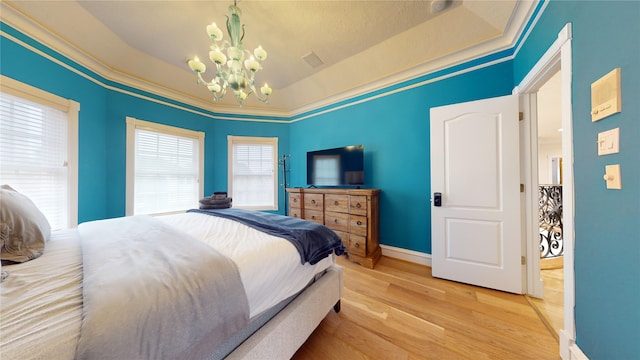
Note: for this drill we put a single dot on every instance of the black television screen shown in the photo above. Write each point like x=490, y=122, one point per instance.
x=336, y=167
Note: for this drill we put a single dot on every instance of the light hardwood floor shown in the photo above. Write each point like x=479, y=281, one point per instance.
x=399, y=311
x=551, y=307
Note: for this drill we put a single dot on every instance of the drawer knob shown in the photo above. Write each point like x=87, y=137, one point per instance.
x=358, y=205
x=357, y=245
x=313, y=217
x=335, y=202
x=313, y=201
x=359, y=222
x=335, y=221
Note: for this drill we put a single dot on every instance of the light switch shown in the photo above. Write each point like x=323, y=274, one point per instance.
x=609, y=142
x=612, y=176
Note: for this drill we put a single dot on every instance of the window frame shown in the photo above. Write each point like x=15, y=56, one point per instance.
x=132, y=125
x=254, y=140
x=72, y=109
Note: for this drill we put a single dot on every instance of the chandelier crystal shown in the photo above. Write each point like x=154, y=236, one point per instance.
x=229, y=68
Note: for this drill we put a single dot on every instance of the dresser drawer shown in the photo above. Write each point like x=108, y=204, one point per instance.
x=294, y=201
x=357, y=245
x=358, y=225
x=337, y=221
x=295, y=212
x=336, y=203
x=314, y=215
x=344, y=236
x=313, y=202
x=358, y=204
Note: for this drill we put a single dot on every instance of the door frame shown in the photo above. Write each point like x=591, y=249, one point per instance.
x=557, y=57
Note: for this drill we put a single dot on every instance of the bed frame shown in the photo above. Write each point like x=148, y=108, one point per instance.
x=283, y=335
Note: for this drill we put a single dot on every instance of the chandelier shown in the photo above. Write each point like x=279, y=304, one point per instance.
x=229, y=68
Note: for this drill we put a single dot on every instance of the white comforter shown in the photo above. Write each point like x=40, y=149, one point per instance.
x=151, y=291
x=269, y=266
x=41, y=300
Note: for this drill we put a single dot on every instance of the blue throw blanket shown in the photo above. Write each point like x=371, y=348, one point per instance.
x=313, y=241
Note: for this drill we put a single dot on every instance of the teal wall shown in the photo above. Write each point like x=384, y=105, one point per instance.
x=395, y=132
x=23, y=65
x=216, y=132
x=607, y=222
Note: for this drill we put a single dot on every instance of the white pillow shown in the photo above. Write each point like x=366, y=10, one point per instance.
x=24, y=229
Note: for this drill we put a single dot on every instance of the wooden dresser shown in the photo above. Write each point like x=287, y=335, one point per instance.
x=352, y=213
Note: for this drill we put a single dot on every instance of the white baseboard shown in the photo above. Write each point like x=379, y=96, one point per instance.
x=576, y=353
x=569, y=350
x=407, y=255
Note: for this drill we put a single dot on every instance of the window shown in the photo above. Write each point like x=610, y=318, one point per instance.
x=327, y=170
x=165, y=168
x=38, y=149
x=253, y=172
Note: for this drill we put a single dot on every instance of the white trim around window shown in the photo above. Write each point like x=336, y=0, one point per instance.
x=134, y=127
x=71, y=109
x=253, y=172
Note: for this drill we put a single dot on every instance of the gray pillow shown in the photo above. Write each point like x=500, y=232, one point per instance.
x=24, y=230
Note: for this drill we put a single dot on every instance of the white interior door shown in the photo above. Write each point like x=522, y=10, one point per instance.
x=476, y=229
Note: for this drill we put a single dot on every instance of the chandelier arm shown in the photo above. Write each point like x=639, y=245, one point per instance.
x=219, y=97
x=222, y=74
x=252, y=89
x=200, y=80
x=224, y=44
x=252, y=75
x=219, y=70
x=262, y=98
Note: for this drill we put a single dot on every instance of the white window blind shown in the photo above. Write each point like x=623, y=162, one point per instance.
x=167, y=164
x=253, y=172
x=36, y=153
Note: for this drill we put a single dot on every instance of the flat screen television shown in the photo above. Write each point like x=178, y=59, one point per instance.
x=342, y=166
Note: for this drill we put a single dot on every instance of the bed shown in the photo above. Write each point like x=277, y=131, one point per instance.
x=90, y=293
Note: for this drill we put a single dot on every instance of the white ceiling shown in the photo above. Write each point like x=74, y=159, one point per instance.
x=364, y=45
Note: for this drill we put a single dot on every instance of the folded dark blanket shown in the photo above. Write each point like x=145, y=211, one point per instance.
x=212, y=201
x=313, y=241
x=219, y=195
x=218, y=206
x=216, y=201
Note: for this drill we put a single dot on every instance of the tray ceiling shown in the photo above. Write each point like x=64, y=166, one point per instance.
x=363, y=45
